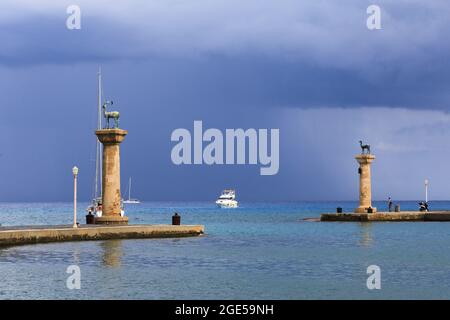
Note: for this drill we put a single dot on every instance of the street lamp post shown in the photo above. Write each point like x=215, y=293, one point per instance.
x=426, y=190
x=75, y=174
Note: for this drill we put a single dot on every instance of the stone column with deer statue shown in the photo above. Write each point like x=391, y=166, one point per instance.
x=365, y=188
x=111, y=196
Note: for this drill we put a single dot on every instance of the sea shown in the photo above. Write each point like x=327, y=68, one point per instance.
x=256, y=251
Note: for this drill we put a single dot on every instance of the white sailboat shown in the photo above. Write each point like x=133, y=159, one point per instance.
x=96, y=207
x=130, y=200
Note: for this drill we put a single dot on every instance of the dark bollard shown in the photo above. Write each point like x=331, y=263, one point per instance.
x=397, y=208
x=339, y=210
x=176, y=219
x=90, y=219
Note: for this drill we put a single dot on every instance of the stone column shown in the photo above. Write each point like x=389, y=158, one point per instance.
x=365, y=192
x=111, y=197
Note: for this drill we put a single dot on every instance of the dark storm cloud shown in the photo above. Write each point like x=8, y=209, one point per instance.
x=290, y=53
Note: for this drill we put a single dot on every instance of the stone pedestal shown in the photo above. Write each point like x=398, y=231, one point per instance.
x=365, y=191
x=111, y=197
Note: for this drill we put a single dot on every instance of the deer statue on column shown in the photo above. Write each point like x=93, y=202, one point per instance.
x=110, y=115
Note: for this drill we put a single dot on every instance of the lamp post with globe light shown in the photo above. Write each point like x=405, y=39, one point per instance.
x=75, y=174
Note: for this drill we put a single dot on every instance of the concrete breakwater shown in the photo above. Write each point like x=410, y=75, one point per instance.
x=42, y=234
x=387, y=216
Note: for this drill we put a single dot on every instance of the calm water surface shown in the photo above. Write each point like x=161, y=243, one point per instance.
x=258, y=251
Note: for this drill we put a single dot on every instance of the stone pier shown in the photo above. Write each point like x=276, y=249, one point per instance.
x=41, y=234
x=405, y=216
x=365, y=189
x=111, y=196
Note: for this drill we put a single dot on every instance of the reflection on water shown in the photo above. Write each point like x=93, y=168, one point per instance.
x=76, y=256
x=366, y=234
x=112, y=253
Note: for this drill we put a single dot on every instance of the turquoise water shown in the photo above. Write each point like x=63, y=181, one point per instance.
x=258, y=251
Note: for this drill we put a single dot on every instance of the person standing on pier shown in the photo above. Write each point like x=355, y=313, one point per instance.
x=390, y=204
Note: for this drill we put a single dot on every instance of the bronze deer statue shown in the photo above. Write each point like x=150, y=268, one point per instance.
x=364, y=147
x=110, y=115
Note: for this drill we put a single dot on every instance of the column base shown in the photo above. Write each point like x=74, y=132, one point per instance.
x=111, y=220
x=365, y=210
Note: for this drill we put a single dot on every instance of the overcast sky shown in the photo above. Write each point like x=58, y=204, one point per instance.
x=310, y=68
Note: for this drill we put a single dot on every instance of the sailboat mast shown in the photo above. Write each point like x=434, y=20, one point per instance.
x=98, y=158
x=129, y=190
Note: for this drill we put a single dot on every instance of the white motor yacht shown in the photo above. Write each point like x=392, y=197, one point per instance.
x=227, y=199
